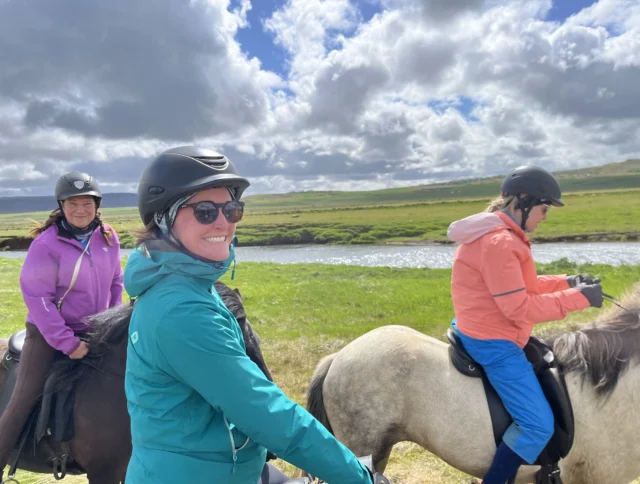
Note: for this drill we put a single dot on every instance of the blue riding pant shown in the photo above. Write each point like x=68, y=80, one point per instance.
x=513, y=378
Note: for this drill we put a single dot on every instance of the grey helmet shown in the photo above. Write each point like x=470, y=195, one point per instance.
x=77, y=183
x=183, y=171
x=535, y=182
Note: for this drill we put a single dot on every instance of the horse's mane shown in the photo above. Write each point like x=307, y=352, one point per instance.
x=602, y=351
x=108, y=331
x=231, y=298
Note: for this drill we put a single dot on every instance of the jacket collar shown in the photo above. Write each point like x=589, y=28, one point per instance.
x=66, y=236
x=514, y=227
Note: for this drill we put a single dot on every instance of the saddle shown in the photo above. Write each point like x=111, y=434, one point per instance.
x=51, y=417
x=554, y=387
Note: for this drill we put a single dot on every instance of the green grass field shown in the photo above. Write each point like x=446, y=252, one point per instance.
x=594, y=216
x=304, y=312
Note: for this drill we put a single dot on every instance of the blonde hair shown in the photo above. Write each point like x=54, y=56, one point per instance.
x=57, y=215
x=509, y=204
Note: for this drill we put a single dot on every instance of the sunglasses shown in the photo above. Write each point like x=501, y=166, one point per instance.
x=546, y=204
x=206, y=212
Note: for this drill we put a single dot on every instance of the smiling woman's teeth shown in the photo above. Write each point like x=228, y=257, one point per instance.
x=216, y=239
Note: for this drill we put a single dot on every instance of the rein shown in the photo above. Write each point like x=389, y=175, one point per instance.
x=615, y=301
x=85, y=361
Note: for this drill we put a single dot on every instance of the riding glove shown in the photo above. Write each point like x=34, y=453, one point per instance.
x=593, y=293
x=573, y=281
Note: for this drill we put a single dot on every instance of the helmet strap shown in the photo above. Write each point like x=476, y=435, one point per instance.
x=525, y=205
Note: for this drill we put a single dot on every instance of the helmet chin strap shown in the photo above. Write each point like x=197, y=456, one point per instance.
x=525, y=205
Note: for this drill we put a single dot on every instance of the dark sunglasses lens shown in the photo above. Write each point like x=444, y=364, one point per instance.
x=233, y=211
x=205, y=212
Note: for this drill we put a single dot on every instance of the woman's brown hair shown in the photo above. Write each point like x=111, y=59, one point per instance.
x=148, y=232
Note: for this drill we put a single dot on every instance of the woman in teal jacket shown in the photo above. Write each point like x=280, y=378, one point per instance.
x=201, y=410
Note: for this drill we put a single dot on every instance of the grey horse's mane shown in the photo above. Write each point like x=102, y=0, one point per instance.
x=601, y=352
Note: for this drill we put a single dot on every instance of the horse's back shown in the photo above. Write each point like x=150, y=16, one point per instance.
x=397, y=381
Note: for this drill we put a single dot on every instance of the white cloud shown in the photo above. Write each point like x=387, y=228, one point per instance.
x=426, y=90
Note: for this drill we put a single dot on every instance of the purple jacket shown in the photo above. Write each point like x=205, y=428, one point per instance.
x=46, y=276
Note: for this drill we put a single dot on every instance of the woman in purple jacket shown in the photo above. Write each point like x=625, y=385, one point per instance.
x=72, y=270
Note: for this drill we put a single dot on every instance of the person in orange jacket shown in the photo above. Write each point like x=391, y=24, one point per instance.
x=498, y=298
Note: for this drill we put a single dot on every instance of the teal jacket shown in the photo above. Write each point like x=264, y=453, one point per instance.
x=201, y=410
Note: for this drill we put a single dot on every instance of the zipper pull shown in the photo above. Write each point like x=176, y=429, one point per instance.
x=235, y=458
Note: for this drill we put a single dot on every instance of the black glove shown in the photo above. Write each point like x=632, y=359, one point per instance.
x=592, y=292
x=573, y=281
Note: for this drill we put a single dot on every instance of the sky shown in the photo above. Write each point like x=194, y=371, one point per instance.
x=316, y=94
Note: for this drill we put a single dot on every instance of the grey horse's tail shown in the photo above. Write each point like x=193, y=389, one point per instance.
x=315, y=399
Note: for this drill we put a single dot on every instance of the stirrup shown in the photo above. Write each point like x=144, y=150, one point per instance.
x=9, y=480
x=60, y=466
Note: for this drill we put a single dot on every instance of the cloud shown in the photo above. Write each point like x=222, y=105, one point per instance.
x=127, y=69
x=426, y=90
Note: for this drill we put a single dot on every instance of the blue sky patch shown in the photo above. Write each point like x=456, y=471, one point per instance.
x=464, y=105
x=563, y=9
x=256, y=42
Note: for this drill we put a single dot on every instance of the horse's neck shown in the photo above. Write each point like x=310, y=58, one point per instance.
x=608, y=426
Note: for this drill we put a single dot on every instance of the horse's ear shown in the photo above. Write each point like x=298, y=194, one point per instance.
x=237, y=291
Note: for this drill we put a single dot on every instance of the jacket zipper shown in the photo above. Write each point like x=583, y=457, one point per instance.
x=233, y=445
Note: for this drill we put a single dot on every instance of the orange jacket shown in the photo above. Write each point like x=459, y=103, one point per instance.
x=496, y=291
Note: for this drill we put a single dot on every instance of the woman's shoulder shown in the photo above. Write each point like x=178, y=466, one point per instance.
x=45, y=238
x=502, y=238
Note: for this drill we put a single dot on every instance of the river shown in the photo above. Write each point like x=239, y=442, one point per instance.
x=613, y=253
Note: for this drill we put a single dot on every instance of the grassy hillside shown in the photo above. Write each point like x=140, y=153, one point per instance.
x=612, y=176
x=595, y=216
x=603, y=203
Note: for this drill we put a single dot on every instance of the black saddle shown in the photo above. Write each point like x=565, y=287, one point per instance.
x=52, y=416
x=553, y=384
x=16, y=342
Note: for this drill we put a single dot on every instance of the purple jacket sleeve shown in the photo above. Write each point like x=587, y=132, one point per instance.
x=38, y=280
x=116, y=285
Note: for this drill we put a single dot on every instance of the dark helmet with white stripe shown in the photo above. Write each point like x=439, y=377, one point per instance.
x=183, y=171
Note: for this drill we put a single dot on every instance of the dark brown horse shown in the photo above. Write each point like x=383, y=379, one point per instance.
x=101, y=443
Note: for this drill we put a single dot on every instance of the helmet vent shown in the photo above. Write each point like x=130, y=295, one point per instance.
x=215, y=162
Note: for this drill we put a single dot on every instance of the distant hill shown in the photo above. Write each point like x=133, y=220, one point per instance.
x=46, y=204
x=611, y=176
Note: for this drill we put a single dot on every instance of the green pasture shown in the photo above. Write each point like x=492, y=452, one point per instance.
x=304, y=312
x=587, y=216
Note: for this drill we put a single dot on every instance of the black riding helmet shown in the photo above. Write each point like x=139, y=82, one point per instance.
x=540, y=186
x=183, y=171
x=77, y=183
x=535, y=182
